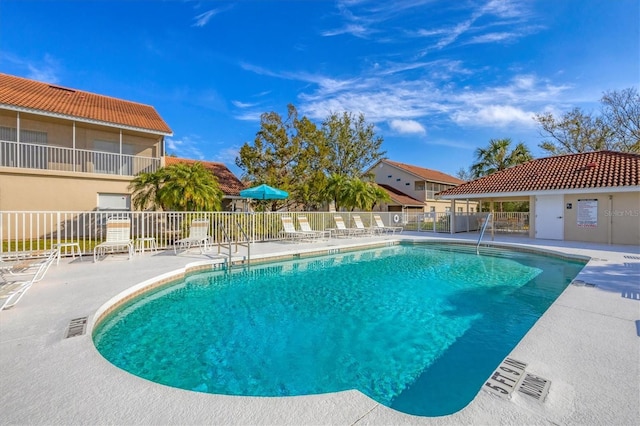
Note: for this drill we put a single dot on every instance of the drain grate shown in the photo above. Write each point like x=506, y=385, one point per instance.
x=534, y=387
x=582, y=283
x=77, y=327
x=632, y=257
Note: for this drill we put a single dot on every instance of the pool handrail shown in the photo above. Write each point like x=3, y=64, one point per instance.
x=484, y=227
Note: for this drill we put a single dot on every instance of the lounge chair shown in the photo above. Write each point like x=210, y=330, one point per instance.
x=198, y=237
x=11, y=291
x=360, y=226
x=305, y=227
x=291, y=232
x=118, y=238
x=341, y=229
x=383, y=228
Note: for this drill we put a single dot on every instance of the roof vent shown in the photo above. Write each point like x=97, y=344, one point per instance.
x=62, y=88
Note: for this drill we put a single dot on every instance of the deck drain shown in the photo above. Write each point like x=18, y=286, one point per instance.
x=580, y=283
x=77, y=327
x=632, y=257
x=534, y=387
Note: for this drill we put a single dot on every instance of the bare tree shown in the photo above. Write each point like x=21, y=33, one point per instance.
x=621, y=112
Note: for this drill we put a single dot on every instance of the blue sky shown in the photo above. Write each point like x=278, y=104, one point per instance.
x=437, y=78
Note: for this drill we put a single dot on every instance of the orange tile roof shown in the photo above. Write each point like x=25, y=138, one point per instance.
x=229, y=183
x=35, y=96
x=400, y=197
x=600, y=169
x=426, y=174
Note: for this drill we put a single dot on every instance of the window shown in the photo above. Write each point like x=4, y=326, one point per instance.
x=418, y=185
x=447, y=210
x=107, y=160
x=460, y=211
x=30, y=155
x=432, y=209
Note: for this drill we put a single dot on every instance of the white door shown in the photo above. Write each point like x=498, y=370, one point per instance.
x=550, y=217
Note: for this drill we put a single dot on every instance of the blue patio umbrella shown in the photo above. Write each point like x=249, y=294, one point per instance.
x=264, y=192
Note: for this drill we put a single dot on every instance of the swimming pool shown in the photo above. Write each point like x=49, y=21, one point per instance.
x=418, y=328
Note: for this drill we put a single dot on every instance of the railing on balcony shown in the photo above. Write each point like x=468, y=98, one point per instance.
x=45, y=157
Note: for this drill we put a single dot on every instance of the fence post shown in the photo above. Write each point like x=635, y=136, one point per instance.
x=58, y=228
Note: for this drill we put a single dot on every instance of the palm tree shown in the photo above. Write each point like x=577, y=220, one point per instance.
x=334, y=190
x=180, y=187
x=497, y=157
x=190, y=187
x=145, y=189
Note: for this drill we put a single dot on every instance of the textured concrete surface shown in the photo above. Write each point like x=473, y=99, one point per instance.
x=587, y=344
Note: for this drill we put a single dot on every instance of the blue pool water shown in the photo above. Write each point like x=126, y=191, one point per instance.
x=418, y=328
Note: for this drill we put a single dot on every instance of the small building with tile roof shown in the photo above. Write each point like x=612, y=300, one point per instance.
x=592, y=197
x=412, y=188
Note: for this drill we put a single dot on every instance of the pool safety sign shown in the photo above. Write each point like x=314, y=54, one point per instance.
x=511, y=375
x=588, y=213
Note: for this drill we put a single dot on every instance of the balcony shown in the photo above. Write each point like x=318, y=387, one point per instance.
x=44, y=157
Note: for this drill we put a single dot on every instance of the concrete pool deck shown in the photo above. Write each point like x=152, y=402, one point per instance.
x=587, y=344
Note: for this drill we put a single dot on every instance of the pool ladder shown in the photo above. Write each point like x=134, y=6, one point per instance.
x=229, y=241
x=484, y=227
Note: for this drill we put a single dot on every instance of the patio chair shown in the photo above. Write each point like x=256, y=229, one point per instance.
x=118, y=239
x=363, y=229
x=306, y=227
x=291, y=232
x=198, y=237
x=341, y=229
x=379, y=224
x=11, y=291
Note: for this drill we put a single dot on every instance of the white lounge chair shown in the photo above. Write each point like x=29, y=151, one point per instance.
x=360, y=226
x=118, y=238
x=341, y=229
x=383, y=228
x=198, y=237
x=290, y=231
x=306, y=227
x=11, y=291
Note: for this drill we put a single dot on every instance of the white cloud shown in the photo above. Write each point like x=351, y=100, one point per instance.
x=186, y=147
x=227, y=155
x=248, y=116
x=407, y=127
x=493, y=37
x=495, y=115
x=45, y=74
x=239, y=104
x=203, y=18
x=353, y=29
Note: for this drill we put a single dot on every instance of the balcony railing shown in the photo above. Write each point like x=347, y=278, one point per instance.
x=45, y=157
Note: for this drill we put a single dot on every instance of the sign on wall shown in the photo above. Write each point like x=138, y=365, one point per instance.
x=588, y=213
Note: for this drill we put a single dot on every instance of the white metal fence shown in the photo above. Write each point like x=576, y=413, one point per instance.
x=39, y=230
